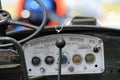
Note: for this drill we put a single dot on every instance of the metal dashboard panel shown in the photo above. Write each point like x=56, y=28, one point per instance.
x=82, y=54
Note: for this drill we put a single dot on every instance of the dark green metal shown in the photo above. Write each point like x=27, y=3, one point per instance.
x=20, y=52
x=59, y=66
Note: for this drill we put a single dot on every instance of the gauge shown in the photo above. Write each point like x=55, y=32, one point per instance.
x=64, y=59
x=77, y=59
x=36, y=61
x=90, y=58
x=49, y=60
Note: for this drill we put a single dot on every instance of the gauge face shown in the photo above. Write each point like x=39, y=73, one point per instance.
x=82, y=52
x=64, y=59
x=89, y=58
x=77, y=59
x=35, y=61
x=49, y=60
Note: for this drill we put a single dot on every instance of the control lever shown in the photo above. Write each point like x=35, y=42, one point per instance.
x=60, y=43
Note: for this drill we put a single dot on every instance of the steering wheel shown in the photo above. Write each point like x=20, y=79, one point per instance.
x=5, y=20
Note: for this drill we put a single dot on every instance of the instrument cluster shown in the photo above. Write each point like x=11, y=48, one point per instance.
x=82, y=54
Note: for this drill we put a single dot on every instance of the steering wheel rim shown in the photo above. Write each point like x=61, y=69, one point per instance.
x=37, y=29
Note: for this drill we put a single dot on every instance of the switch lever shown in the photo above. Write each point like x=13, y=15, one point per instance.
x=60, y=43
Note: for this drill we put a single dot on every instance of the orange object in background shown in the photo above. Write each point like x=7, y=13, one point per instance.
x=52, y=23
x=60, y=7
x=20, y=7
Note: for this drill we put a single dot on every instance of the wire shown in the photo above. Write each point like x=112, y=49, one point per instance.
x=22, y=24
x=38, y=30
x=42, y=24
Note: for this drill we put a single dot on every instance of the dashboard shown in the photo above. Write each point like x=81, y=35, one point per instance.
x=90, y=53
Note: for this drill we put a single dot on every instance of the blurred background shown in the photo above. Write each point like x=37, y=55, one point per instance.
x=106, y=11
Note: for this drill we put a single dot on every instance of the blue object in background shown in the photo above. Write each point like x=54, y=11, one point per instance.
x=36, y=15
x=18, y=28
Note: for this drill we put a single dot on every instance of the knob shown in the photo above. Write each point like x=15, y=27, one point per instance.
x=49, y=60
x=36, y=61
x=60, y=43
x=96, y=49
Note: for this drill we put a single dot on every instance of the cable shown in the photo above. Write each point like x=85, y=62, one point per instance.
x=22, y=24
x=42, y=24
x=38, y=30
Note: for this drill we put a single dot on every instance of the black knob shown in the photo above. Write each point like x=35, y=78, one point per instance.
x=36, y=61
x=49, y=60
x=60, y=43
x=96, y=49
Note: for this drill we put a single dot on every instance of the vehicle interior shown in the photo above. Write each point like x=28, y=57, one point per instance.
x=79, y=48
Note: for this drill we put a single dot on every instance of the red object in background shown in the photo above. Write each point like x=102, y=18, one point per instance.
x=60, y=10
x=52, y=23
x=20, y=7
x=60, y=7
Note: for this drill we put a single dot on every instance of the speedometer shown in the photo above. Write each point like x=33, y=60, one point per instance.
x=82, y=54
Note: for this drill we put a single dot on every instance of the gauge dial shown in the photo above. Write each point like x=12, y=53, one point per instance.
x=77, y=59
